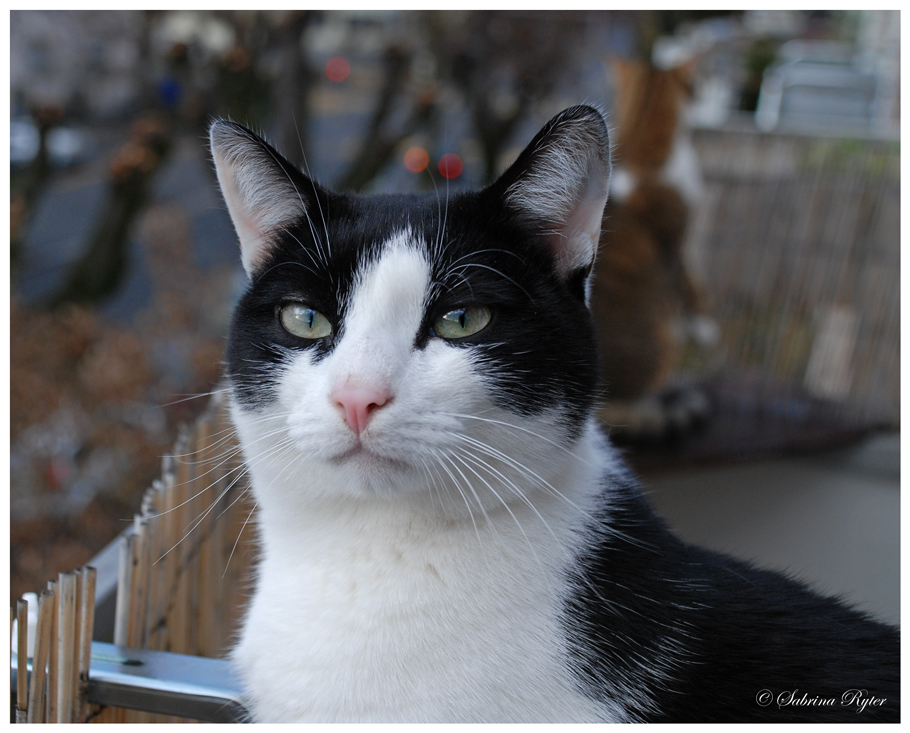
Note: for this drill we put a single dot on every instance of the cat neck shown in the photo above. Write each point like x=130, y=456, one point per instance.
x=391, y=602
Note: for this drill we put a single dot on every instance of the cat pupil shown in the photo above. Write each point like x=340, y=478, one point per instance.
x=462, y=322
x=304, y=322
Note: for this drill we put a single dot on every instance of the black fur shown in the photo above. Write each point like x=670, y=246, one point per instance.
x=700, y=637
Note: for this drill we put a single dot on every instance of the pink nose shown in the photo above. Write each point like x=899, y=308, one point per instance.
x=359, y=402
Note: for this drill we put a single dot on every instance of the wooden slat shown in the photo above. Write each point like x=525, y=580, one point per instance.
x=22, y=661
x=66, y=646
x=43, y=642
x=53, y=667
x=88, y=580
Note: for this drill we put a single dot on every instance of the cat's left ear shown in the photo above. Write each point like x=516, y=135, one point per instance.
x=264, y=193
x=561, y=181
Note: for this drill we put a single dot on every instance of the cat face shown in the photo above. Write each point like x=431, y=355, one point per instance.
x=415, y=346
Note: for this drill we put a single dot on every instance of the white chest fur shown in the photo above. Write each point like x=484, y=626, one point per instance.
x=373, y=612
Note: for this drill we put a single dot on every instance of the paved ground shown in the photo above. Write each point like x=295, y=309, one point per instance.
x=831, y=519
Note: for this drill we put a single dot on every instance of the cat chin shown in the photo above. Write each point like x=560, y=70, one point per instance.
x=367, y=462
x=365, y=474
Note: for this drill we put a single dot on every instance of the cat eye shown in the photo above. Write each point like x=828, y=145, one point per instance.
x=462, y=322
x=304, y=322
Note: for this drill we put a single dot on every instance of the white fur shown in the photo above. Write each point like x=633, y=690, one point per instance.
x=419, y=578
x=622, y=184
x=682, y=170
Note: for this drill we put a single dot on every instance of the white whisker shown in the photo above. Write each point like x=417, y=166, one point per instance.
x=237, y=541
x=502, y=501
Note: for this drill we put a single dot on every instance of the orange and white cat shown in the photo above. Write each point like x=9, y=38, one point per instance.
x=644, y=301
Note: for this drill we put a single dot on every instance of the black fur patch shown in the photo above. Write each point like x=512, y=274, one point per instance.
x=687, y=635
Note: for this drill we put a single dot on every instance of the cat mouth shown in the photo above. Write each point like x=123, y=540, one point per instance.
x=368, y=460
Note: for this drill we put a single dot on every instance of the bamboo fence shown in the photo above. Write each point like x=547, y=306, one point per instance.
x=61, y=654
x=796, y=241
x=181, y=584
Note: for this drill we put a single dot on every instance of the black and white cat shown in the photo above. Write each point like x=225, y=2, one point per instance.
x=445, y=533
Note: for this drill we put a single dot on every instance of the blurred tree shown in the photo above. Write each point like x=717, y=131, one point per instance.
x=504, y=62
x=243, y=91
x=383, y=136
x=99, y=270
x=294, y=82
x=28, y=184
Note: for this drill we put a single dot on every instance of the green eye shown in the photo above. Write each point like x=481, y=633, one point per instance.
x=304, y=322
x=462, y=322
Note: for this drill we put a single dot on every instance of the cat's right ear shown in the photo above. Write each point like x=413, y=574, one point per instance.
x=261, y=189
x=561, y=181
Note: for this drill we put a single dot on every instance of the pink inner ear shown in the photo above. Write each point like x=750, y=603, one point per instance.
x=256, y=214
x=246, y=225
x=258, y=188
x=575, y=244
x=564, y=183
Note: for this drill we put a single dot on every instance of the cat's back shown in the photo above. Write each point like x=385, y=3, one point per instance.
x=704, y=637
